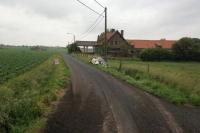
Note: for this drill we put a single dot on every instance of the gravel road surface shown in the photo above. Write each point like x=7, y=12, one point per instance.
x=100, y=103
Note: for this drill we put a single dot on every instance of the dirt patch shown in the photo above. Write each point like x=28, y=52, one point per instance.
x=73, y=115
x=59, y=96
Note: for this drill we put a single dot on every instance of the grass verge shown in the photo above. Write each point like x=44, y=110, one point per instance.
x=25, y=100
x=174, y=82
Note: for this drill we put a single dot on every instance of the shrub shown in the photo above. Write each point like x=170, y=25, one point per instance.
x=155, y=54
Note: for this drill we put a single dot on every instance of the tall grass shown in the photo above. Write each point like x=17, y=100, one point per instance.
x=183, y=78
x=178, y=82
x=25, y=100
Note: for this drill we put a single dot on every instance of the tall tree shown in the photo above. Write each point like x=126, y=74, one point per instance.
x=185, y=49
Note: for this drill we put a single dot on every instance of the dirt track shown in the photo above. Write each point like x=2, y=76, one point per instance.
x=98, y=102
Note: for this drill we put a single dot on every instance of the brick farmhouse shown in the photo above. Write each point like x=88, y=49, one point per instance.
x=115, y=39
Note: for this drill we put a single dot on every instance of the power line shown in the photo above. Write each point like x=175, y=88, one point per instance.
x=91, y=26
x=91, y=30
x=99, y=3
x=88, y=7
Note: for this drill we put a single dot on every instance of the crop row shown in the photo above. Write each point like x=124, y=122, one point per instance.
x=15, y=63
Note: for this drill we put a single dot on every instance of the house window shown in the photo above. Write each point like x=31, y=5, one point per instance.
x=116, y=42
x=111, y=42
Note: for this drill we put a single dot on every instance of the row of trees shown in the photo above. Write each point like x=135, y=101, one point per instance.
x=185, y=49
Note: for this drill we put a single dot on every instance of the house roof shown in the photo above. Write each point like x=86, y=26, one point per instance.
x=109, y=36
x=142, y=44
x=100, y=39
x=86, y=43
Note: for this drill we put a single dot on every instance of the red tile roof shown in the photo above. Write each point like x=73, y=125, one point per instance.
x=110, y=34
x=142, y=44
x=101, y=38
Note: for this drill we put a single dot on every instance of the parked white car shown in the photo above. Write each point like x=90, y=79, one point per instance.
x=99, y=61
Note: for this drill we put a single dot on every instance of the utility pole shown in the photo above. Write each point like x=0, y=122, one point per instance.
x=105, y=47
x=74, y=45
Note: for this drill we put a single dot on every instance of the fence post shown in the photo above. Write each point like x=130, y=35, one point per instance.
x=120, y=66
x=148, y=68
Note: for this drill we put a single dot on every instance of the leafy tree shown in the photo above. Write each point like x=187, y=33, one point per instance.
x=73, y=48
x=185, y=49
x=125, y=48
x=102, y=47
x=197, y=42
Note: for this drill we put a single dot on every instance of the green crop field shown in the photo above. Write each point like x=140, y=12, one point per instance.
x=30, y=82
x=14, y=62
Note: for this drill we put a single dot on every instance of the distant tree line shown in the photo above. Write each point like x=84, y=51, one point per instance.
x=38, y=48
x=185, y=49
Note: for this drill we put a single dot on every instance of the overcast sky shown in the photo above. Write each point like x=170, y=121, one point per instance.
x=47, y=22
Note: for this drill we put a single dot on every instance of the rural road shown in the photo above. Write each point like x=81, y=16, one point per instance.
x=100, y=103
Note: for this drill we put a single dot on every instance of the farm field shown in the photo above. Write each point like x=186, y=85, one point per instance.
x=13, y=62
x=177, y=82
x=35, y=82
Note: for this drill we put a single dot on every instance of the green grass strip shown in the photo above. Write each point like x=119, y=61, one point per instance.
x=25, y=99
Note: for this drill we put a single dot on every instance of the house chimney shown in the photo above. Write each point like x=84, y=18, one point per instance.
x=122, y=33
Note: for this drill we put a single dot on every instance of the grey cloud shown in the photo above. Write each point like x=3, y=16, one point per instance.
x=48, y=8
x=141, y=19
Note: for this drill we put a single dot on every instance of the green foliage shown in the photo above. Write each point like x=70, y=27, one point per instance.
x=15, y=63
x=195, y=99
x=186, y=50
x=25, y=99
x=73, y=48
x=197, y=42
x=102, y=47
x=37, y=48
x=155, y=54
x=125, y=48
